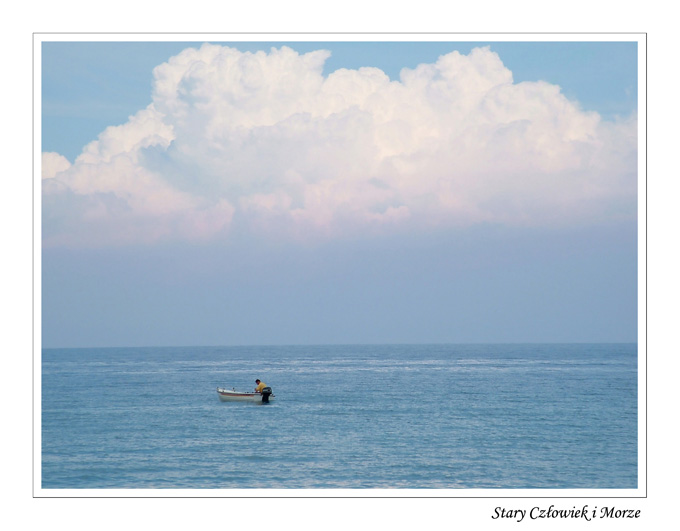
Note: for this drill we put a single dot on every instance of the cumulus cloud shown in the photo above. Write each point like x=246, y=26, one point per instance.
x=265, y=142
x=52, y=164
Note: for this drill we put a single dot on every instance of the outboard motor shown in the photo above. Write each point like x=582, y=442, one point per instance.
x=266, y=391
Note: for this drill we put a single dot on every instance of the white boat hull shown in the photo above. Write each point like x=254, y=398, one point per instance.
x=230, y=395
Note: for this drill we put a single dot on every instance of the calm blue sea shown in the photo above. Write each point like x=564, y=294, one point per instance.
x=408, y=416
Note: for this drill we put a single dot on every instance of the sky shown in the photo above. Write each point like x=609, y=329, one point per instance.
x=338, y=192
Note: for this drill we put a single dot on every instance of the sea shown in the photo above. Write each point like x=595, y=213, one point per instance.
x=517, y=416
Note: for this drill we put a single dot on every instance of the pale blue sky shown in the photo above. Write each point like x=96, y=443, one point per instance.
x=484, y=282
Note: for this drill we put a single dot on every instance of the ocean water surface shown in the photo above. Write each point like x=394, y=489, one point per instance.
x=366, y=417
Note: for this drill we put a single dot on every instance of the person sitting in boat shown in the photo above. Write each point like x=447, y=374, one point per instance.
x=260, y=386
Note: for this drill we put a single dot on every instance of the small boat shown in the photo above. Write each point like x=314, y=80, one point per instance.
x=231, y=395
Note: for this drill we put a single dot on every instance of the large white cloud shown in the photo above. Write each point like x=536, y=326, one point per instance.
x=266, y=139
